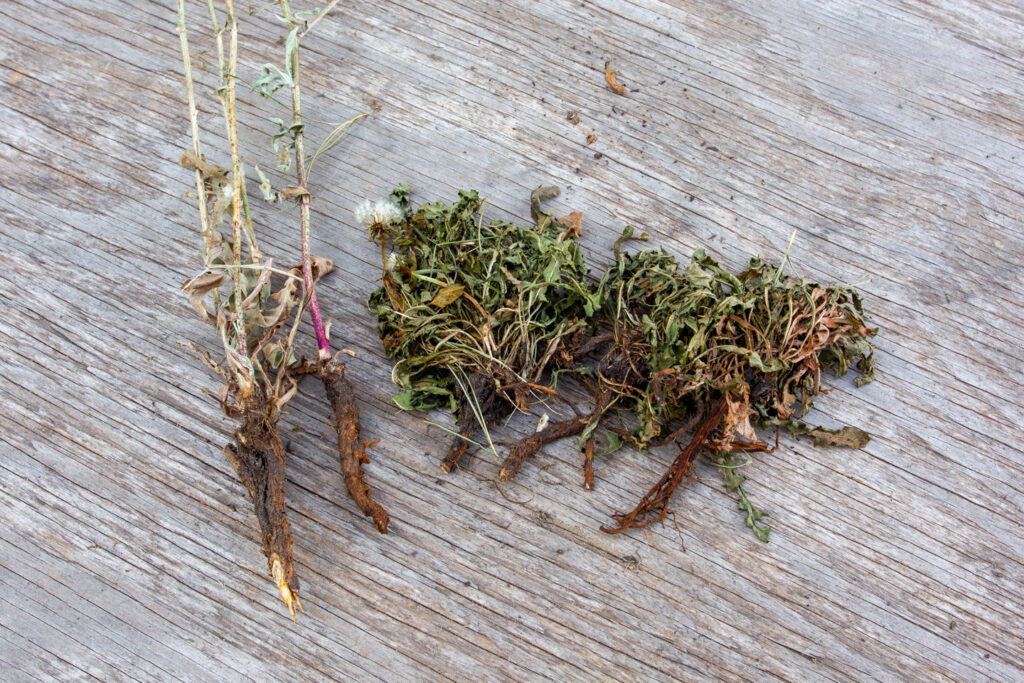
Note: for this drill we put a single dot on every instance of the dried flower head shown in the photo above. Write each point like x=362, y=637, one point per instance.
x=377, y=216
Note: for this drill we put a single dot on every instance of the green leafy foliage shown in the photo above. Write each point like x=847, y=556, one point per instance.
x=761, y=337
x=474, y=296
x=661, y=346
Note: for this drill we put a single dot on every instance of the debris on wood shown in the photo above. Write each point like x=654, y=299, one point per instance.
x=612, y=81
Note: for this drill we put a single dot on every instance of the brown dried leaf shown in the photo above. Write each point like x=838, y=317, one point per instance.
x=210, y=172
x=293, y=192
x=257, y=287
x=573, y=224
x=321, y=266
x=222, y=202
x=613, y=83
x=847, y=437
x=198, y=287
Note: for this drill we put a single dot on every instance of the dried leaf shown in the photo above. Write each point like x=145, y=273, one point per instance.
x=269, y=195
x=293, y=192
x=321, y=266
x=542, y=194
x=447, y=295
x=198, y=287
x=573, y=224
x=210, y=172
x=847, y=437
x=613, y=83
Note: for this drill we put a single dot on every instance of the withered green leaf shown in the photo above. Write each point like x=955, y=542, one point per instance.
x=447, y=295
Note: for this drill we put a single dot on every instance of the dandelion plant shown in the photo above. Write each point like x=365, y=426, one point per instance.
x=485, y=318
x=256, y=307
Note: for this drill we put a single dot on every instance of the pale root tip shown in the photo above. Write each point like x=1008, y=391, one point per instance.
x=290, y=599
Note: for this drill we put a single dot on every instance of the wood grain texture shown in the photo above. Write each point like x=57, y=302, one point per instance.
x=889, y=135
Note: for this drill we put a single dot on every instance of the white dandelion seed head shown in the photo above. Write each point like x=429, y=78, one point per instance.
x=363, y=212
x=381, y=212
x=386, y=211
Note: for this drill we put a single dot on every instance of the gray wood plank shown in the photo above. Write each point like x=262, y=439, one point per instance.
x=889, y=136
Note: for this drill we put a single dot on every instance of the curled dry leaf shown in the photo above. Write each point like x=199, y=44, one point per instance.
x=198, y=288
x=613, y=82
x=293, y=192
x=321, y=266
x=573, y=224
x=210, y=172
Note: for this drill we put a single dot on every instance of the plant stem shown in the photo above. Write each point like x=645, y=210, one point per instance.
x=323, y=345
x=204, y=221
x=218, y=31
x=236, y=176
x=320, y=15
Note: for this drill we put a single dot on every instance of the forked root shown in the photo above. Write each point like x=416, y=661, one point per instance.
x=654, y=505
x=351, y=448
x=258, y=458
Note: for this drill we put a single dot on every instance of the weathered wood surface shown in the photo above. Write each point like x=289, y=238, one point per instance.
x=890, y=136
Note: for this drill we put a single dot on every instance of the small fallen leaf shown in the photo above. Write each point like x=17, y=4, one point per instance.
x=609, y=77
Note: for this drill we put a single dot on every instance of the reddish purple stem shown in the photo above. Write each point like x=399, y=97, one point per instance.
x=307, y=277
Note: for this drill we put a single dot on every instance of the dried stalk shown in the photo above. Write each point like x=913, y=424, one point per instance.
x=255, y=452
x=322, y=343
x=204, y=220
